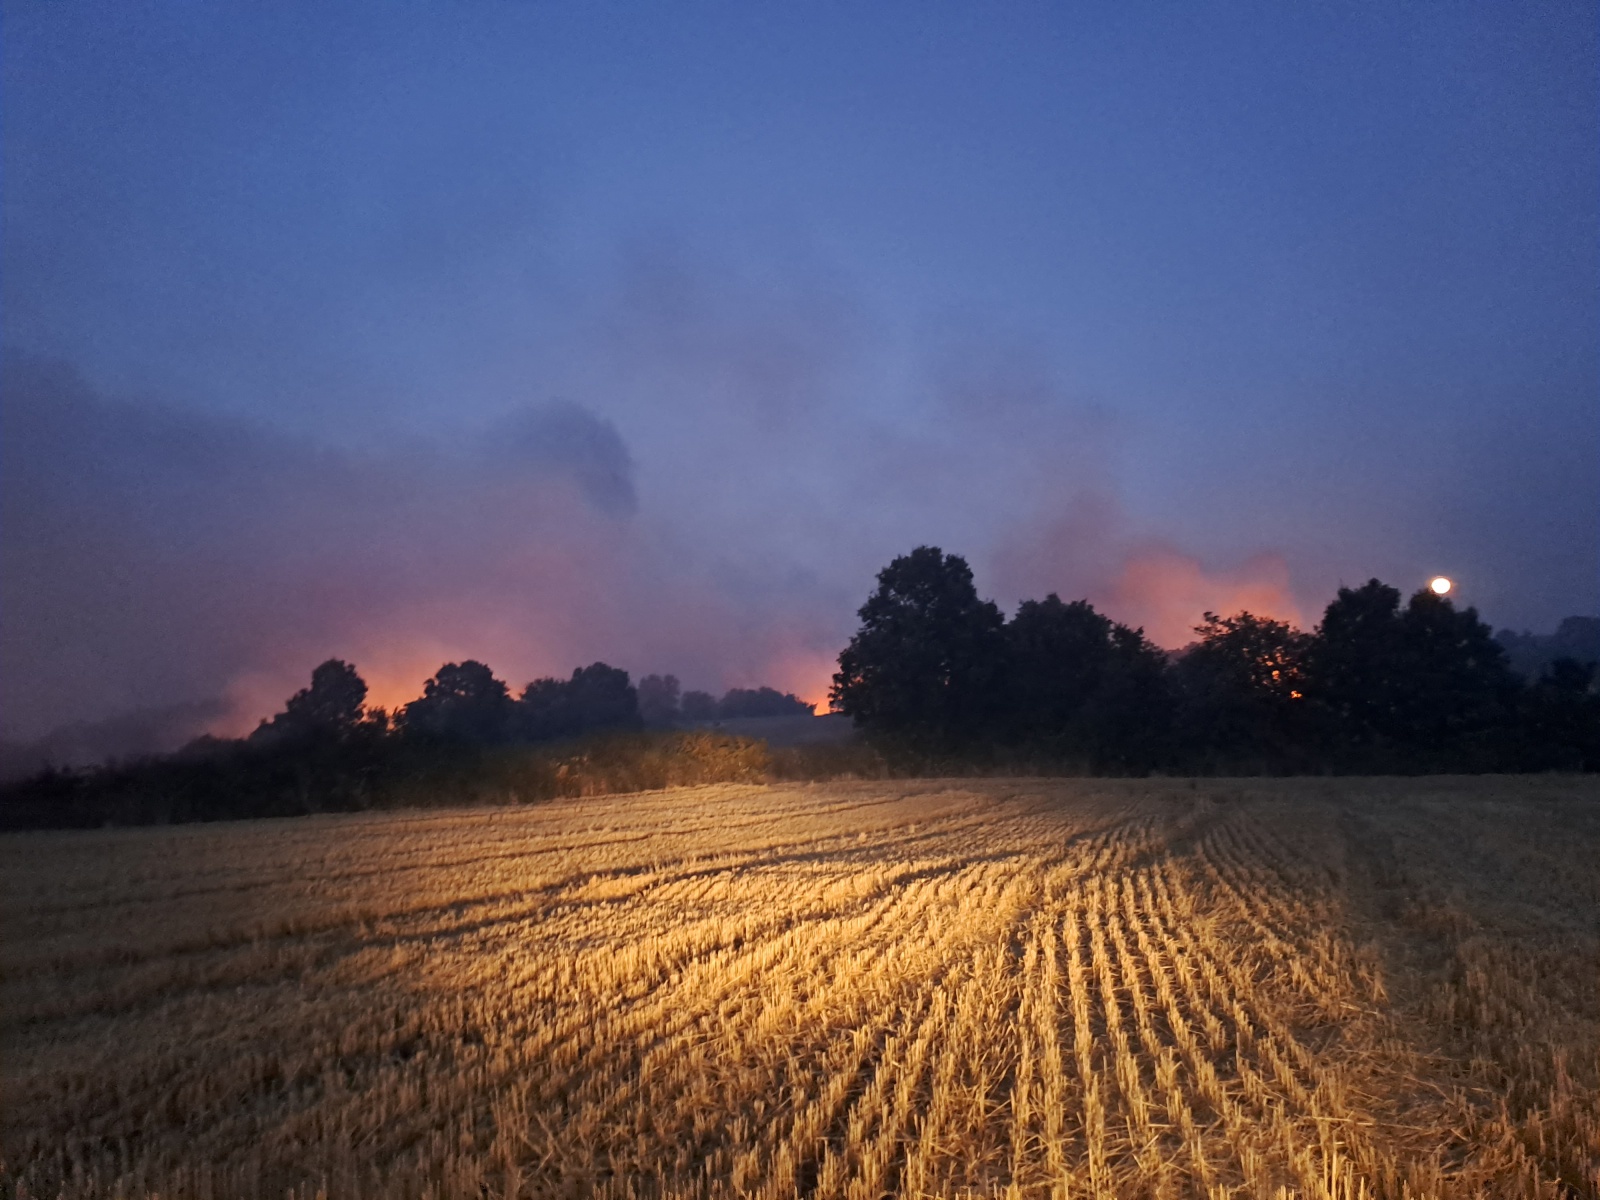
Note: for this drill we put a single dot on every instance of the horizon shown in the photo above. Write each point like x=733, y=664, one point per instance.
x=131, y=735
x=545, y=338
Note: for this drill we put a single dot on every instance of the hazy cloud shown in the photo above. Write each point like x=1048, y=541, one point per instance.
x=565, y=439
x=550, y=338
x=157, y=557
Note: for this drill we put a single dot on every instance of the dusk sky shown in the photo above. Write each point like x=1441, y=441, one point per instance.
x=545, y=333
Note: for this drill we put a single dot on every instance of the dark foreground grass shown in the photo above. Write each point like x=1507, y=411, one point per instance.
x=231, y=781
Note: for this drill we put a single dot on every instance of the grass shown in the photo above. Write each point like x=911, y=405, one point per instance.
x=1317, y=987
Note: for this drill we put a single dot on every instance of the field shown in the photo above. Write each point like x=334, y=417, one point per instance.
x=1328, y=988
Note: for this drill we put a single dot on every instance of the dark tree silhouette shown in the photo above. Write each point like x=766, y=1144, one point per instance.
x=333, y=706
x=1457, y=688
x=699, y=706
x=1560, y=719
x=1082, y=686
x=1242, y=690
x=1425, y=681
x=761, y=702
x=658, y=700
x=603, y=698
x=596, y=697
x=463, y=702
x=923, y=669
x=1351, y=664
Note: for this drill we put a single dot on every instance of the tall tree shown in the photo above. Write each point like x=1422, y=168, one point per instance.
x=596, y=697
x=924, y=667
x=1081, y=685
x=463, y=702
x=658, y=700
x=1351, y=665
x=1457, y=690
x=1426, y=685
x=1242, y=689
x=333, y=706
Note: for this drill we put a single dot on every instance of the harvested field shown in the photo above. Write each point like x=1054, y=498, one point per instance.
x=1330, y=988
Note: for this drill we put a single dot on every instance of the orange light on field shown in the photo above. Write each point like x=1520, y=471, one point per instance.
x=1440, y=585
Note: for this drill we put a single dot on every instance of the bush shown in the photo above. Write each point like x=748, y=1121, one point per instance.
x=234, y=780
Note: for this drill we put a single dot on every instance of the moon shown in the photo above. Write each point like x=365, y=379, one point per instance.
x=1440, y=585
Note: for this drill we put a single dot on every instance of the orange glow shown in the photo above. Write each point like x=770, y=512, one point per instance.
x=1167, y=593
x=806, y=673
x=394, y=661
x=396, y=672
x=1440, y=585
x=392, y=680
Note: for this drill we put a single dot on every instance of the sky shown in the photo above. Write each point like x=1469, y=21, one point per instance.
x=552, y=333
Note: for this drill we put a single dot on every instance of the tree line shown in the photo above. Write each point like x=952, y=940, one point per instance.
x=661, y=705
x=935, y=679
x=465, y=704
x=466, y=739
x=1382, y=684
x=462, y=703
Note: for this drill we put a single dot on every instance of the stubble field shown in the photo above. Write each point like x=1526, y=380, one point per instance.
x=1328, y=988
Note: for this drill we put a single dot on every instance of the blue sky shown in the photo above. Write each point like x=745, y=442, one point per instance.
x=1160, y=304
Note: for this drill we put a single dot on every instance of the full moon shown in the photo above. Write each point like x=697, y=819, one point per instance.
x=1440, y=585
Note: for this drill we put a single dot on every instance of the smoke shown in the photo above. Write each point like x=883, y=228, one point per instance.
x=713, y=500
x=563, y=439
x=156, y=557
x=1166, y=592
x=124, y=736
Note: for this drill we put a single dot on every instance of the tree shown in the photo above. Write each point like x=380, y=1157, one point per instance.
x=333, y=706
x=603, y=698
x=1457, y=689
x=1559, y=719
x=923, y=669
x=1425, y=686
x=463, y=702
x=1351, y=665
x=596, y=697
x=699, y=706
x=1242, y=688
x=1080, y=685
x=542, y=711
x=761, y=702
x=658, y=700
